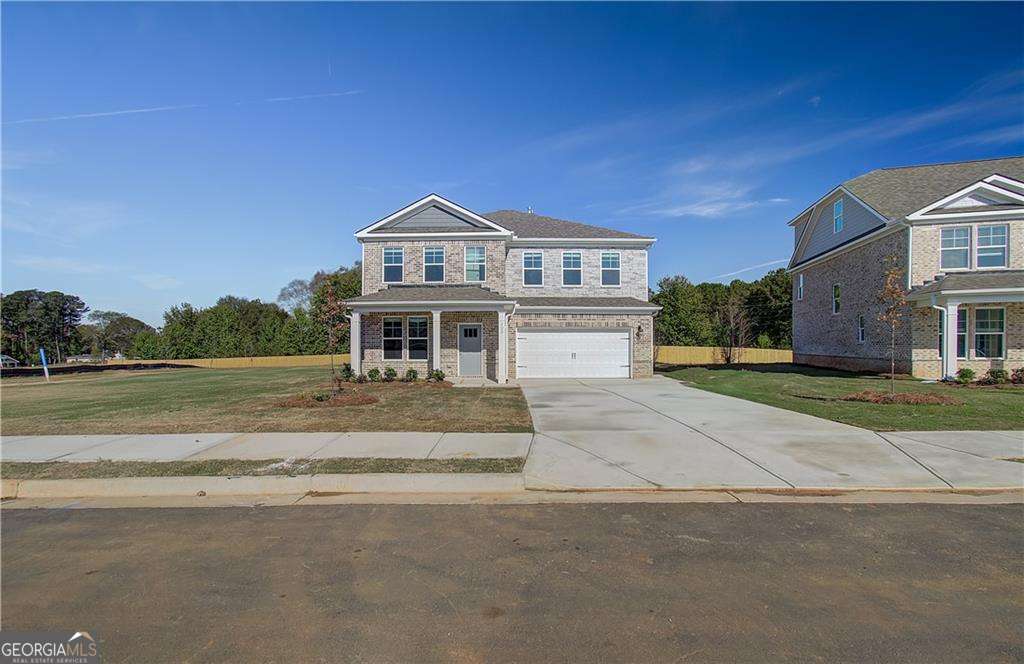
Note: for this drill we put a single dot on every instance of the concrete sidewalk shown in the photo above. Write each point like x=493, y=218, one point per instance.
x=177, y=447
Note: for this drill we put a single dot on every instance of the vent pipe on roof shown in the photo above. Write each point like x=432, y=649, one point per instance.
x=529, y=209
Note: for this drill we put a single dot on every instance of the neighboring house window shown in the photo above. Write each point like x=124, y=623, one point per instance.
x=433, y=264
x=956, y=248
x=800, y=286
x=989, y=329
x=961, y=333
x=861, y=332
x=533, y=268
x=417, y=337
x=476, y=264
x=835, y=298
x=837, y=216
x=572, y=268
x=394, y=258
x=610, y=268
x=991, y=250
x=392, y=338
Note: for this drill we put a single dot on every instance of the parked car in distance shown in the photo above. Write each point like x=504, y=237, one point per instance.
x=8, y=361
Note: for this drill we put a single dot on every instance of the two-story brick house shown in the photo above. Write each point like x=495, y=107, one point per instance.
x=956, y=230
x=502, y=295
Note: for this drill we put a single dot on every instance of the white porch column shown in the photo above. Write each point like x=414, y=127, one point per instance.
x=436, y=339
x=949, y=319
x=502, y=347
x=356, y=342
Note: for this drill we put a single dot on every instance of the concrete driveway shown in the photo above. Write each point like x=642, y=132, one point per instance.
x=659, y=433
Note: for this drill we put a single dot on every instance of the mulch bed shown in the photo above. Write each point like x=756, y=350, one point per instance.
x=904, y=398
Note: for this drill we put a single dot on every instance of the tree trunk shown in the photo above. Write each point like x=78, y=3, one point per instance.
x=892, y=362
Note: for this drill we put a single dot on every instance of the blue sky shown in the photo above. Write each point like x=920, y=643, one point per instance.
x=168, y=152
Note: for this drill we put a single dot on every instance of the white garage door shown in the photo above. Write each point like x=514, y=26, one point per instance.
x=572, y=354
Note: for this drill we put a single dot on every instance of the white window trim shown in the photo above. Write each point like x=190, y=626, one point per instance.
x=970, y=248
x=975, y=246
x=408, y=338
x=383, y=280
x=383, y=319
x=618, y=269
x=838, y=203
x=835, y=300
x=444, y=257
x=541, y=284
x=580, y=268
x=967, y=330
x=800, y=286
x=974, y=335
x=862, y=332
x=465, y=263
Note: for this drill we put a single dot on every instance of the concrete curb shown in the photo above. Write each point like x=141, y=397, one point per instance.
x=131, y=487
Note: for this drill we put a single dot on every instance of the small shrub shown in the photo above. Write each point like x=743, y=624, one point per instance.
x=996, y=376
x=346, y=374
x=436, y=375
x=390, y=374
x=965, y=375
x=411, y=376
x=374, y=375
x=321, y=396
x=763, y=341
x=1017, y=377
x=361, y=378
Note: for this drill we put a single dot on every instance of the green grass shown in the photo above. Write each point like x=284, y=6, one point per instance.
x=59, y=470
x=816, y=391
x=244, y=400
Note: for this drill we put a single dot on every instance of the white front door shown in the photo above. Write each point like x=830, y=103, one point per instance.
x=550, y=353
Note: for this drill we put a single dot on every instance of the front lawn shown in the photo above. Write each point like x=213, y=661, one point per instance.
x=817, y=391
x=245, y=400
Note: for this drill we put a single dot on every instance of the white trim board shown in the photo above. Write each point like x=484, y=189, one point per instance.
x=427, y=201
x=981, y=185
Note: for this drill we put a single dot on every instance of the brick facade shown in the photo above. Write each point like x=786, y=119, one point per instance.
x=927, y=241
x=925, y=326
x=632, y=275
x=454, y=262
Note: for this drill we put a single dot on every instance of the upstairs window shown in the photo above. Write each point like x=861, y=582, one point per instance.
x=433, y=264
x=394, y=260
x=533, y=268
x=835, y=298
x=989, y=330
x=476, y=264
x=992, y=246
x=572, y=268
x=955, y=252
x=609, y=268
x=837, y=216
x=800, y=286
x=417, y=337
x=392, y=333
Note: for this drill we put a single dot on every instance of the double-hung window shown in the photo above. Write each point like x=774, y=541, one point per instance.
x=991, y=251
x=837, y=216
x=394, y=259
x=433, y=264
x=392, y=333
x=861, y=330
x=800, y=286
x=989, y=330
x=533, y=268
x=609, y=268
x=417, y=337
x=572, y=268
x=835, y=298
x=955, y=251
x=476, y=264
x=961, y=333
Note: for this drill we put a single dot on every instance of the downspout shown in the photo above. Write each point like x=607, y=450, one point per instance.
x=910, y=250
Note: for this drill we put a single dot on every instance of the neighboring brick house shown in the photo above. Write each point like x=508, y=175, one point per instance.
x=501, y=295
x=957, y=231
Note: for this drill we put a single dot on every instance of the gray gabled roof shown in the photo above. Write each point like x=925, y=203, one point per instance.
x=530, y=225
x=431, y=294
x=897, y=192
x=970, y=281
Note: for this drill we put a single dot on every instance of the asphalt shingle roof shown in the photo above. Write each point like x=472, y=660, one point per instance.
x=959, y=281
x=528, y=224
x=897, y=192
x=432, y=294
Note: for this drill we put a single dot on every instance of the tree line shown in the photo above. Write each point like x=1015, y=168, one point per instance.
x=308, y=319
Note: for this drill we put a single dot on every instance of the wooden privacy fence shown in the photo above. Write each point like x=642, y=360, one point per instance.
x=717, y=355
x=244, y=362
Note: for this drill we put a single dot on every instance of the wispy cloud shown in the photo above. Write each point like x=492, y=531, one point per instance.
x=60, y=265
x=701, y=200
x=815, y=101
x=65, y=223
x=751, y=267
x=16, y=160
x=177, y=107
x=999, y=136
x=158, y=281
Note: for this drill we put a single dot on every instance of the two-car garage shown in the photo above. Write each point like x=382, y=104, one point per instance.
x=572, y=353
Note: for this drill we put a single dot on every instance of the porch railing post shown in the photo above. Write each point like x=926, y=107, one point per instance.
x=949, y=340
x=356, y=343
x=436, y=340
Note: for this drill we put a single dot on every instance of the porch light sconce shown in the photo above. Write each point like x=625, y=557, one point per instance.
x=640, y=331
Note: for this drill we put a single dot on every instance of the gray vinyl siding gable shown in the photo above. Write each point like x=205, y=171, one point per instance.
x=857, y=220
x=432, y=217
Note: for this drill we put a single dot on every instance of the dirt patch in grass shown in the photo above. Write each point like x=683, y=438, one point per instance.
x=314, y=400
x=904, y=398
x=64, y=470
